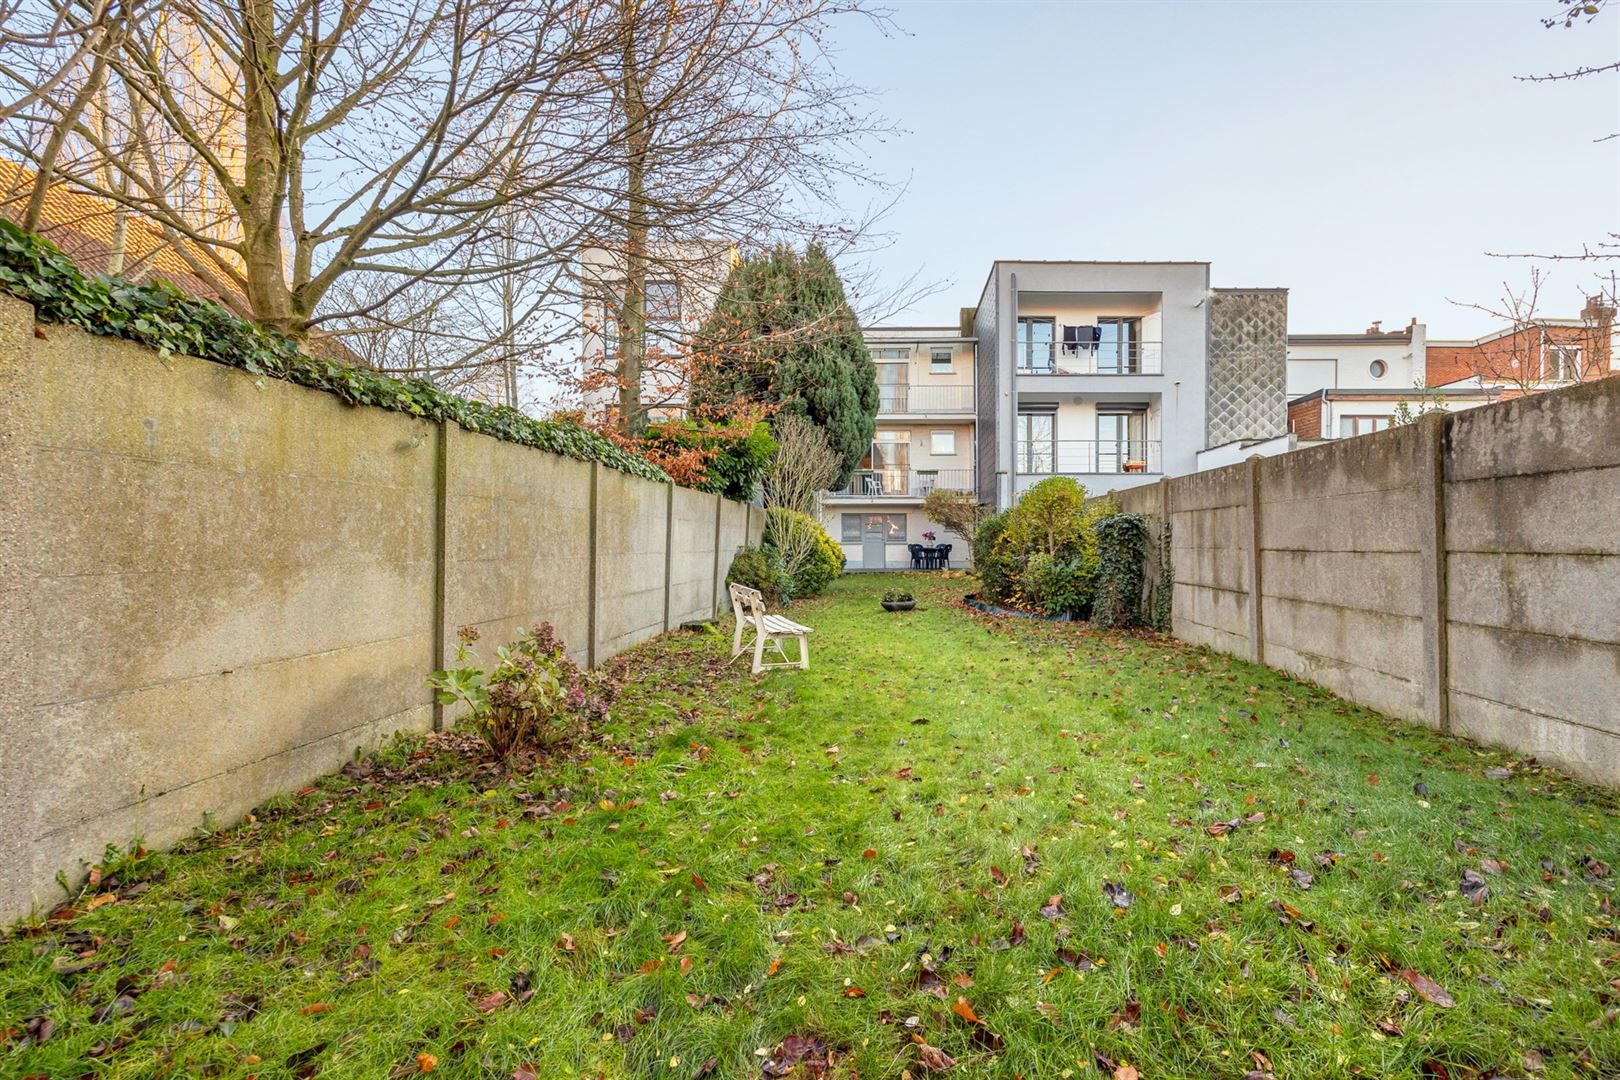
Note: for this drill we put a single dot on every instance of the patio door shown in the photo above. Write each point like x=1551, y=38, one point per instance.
x=891, y=461
x=874, y=543
x=892, y=387
x=1121, y=437
x=1119, y=346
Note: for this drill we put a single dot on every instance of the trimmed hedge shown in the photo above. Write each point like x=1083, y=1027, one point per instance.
x=165, y=319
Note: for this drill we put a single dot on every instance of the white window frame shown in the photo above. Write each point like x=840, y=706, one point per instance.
x=935, y=359
x=1558, y=359
x=1355, y=421
x=949, y=435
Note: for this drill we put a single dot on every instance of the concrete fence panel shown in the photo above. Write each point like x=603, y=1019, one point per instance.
x=1462, y=572
x=217, y=587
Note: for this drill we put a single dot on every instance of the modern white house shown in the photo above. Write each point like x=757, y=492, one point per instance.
x=924, y=441
x=1117, y=373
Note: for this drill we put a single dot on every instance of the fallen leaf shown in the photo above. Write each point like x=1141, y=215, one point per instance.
x=1473, y=888
x=1127, y=1072
x=311, y=1010
x=566, y=943
x=965, y=1011
x=426, y=1062
x=997, y=876
x=1229, y=894
x=1117, y=895
x=675, y=941
x=490, y=1002
x=1053, y=908
x=1428, y=989
x=933, y=1059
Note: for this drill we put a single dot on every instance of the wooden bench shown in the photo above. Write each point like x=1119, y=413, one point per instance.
x=748, y=607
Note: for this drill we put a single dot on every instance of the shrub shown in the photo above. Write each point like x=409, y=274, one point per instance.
x=810, y=558
x=1121, y=571
x=1042, y=554
x=759, y=569
x=990, y=559
x=959, y=511
x=725, y=457
x=534, y=699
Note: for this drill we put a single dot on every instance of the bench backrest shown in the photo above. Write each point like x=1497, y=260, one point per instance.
x=742, y=597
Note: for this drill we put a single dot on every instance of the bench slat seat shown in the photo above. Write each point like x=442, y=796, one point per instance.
x=748, y=608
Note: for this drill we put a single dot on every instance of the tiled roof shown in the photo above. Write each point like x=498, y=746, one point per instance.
x=82, y=226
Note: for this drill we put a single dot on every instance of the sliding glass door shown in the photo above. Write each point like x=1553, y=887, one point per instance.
x=1033, y=347
x=1121, y=438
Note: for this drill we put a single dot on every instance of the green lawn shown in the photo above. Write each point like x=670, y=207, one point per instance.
x=923, y=825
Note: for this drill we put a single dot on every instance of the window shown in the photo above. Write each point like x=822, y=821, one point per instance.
x=1121, y=440
x=1377, y=369
x=1362, y=425
x=853, y=528
x=891, y=354
x=939, y=361
x=662, y=310
x=1036, y=450
x=1119, y=346
x=1032, y=349
x=942, y=442
x=892, y=395
x=1563, y=363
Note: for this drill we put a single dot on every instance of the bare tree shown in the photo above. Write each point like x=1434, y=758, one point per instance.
x=804, y=466
x=738, y=129
x=1538, y=351
x=382, y=137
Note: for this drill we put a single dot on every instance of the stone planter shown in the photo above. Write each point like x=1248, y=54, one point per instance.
x=898, y=605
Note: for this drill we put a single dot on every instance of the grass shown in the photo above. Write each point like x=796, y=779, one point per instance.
x=824, y=838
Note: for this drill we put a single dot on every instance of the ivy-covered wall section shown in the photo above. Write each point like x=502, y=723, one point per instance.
x=166, y=319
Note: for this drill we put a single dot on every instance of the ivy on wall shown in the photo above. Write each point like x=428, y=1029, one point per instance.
x=165, y=319
x=1122, y=543
x=1163, y=598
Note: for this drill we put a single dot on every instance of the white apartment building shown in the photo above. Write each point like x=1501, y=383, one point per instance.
x=1117, y=373
x=924, y=441
x=682, y=287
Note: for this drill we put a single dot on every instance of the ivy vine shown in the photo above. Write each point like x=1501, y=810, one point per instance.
x=162, y=317
x=1164, y=596
x=1122, y=543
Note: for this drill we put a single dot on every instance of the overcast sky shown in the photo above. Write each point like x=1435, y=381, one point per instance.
x=1365, y=155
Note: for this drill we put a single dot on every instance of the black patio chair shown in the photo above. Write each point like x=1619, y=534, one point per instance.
x=942, y=557
x=918, y=556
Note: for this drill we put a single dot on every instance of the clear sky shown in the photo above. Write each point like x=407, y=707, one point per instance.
x=1365, y=155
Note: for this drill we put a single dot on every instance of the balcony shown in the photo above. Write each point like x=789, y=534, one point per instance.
x=904, y=483
x=1089, y=358
x=925, y=398
x=1064, y=457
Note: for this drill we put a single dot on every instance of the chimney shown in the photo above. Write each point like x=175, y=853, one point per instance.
x=1596, y=312
x=1377, y=327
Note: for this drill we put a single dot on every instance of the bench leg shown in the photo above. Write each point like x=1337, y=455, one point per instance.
x=759, y=652
x=804, y=652
x=736, y=640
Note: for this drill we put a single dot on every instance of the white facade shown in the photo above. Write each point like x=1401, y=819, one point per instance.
x=682, y=286
x=924, y=441
x=1097, y=371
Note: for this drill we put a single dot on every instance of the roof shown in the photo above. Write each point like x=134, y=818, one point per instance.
x=1391, y=337
x=1379, y=394
x=82, y=226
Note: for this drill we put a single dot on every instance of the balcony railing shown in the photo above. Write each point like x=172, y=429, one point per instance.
x=925, y=398
x=906, y=483
x=1057, y=457
x=1089, y=358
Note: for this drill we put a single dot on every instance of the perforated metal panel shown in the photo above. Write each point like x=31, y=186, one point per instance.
x=1248, y=342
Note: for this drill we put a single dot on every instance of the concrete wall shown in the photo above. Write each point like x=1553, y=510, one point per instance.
x=215, y=587
x=1462, y=572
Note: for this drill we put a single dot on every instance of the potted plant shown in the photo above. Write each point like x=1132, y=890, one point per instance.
x=898, y=600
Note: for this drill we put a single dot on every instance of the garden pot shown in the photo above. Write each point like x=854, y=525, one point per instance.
x=898, y=605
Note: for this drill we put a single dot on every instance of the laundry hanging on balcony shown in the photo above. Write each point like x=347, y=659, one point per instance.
x=1078, y=339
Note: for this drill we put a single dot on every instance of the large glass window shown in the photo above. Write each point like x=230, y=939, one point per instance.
x=891, y=460
x=939, y=361
x=891, y=387
x=1121, y=439
x=1033, y=347
x=1036, y=448
x=942, y=442
x=1119, y=343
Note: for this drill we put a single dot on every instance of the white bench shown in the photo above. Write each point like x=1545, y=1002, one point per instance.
x=748, y=607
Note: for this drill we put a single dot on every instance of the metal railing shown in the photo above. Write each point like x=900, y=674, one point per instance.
x=925, y=398
x=906, y=483
x=1057, y=457
x=1089, y=358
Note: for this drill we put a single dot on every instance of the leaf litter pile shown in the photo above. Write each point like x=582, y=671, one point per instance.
x=957, y=846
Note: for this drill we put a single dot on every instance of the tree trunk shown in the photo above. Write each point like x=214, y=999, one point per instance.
x=263, y=255
x=633, y=302
x=59, y=134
